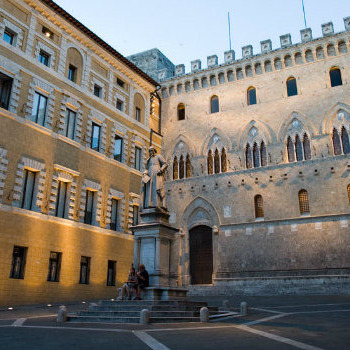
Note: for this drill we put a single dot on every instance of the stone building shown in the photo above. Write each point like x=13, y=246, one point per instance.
x=75, y=124
x=259, y=175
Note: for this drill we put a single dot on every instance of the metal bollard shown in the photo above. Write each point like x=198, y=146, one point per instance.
x=204, y=314
x=244, y=308
x=62, y=314
x=144, y=316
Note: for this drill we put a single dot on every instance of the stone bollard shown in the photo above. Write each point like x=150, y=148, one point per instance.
x=204, y=314
x=62, y=314
x=144, y=316
x=244, y=308
x=226, y=305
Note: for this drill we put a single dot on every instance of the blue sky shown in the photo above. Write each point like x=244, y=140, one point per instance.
x=194, y=29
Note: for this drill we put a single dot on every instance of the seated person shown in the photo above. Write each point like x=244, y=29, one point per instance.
x=129, y=286
x=142, y=280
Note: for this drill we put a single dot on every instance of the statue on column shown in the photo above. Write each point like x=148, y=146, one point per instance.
x=152, y=191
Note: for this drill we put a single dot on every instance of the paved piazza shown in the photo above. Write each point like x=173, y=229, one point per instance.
x=281, y=323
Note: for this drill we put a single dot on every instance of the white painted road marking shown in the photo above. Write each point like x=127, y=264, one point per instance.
x=150, y=341
x=265, y=319
x=19, y=322
x=267, y=310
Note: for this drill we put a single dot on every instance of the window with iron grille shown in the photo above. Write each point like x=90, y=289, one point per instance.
x=84, y=270
x=54, y=267
x=19, y=256
x=259, y=206
x=304, y=202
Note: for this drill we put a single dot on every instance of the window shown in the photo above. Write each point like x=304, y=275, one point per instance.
x=61, y=201
x=256, y=156
x=19, y=256
x=337, y=149
x=72, y=73
x=97, y=90
x=251, y=96
x=118, y=149
x=290, y=150
x=9, y=36
x=214, y=104
x=263, y=154
x=303, y=202
x=259, y=206
x=216, y=162
x=335, y=76
x=345, y=141
x=299, y=150
x=120, y=105
x=47, y=32
x=84, y=270
x=44, y=58
x=5, y=90
x=348, y=189
x=39, y=109
x=210, y=162
x=188, y=167
x=138, y=114
x=248, y=157
x=95, y=137
x=292, y=89
x=28, y=189
x=223, y=161
x=114, y=215
x=175, y=169
x=181, y=167
x=70, y=123
x=54, y=267
x=89, y=207
x=111, y=272
x=135, y=215
x=181, y=111
x=138, y=159
x=120, y=83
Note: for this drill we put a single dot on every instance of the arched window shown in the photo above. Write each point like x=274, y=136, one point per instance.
x=292, y=89
x=303, y=202
x=290, y=150
x=342, y=47
x=259, y=206
x=335, y=76
x=214, y=104
x=251, y=96
x=216, y=162
x=345, y=140
x=181, y=168
x=188, y=166
x=336, y=143
x=263, y=154
x=288, y=61
x=330, y=50
x=181, y=111
x=248, y=157
x=256, y=156
x=306, y=146
x=175, y=169
x=223, y=161
x=298, y=148
x=319, y=53
x=210, y=162
x=348, y=193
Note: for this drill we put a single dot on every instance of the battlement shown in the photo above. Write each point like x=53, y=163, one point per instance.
x=247, y=51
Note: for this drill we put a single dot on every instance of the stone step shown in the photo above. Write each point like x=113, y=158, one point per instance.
x=151, y=302
x=150, y=307
x=137, y=313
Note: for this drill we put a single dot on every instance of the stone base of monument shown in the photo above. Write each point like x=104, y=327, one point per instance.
x=164, y=293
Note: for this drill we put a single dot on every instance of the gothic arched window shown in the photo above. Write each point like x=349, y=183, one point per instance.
x=248, y=157
x=259, y=206
x=188, y=166
x=256, y=156
x=336, y=142
x=298, y=148
x=307, y=148
x=304, y=202
x=181, y=168
x=217, y=162
x=223, y=161
x=290, y=150
x=210, y=162
x=263, y=154
x=251, y=96
x=345, y=140
x=175, y=169
x=214, y=104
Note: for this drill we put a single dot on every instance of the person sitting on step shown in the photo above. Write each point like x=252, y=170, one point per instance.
x=142, y=280
x=130, y=285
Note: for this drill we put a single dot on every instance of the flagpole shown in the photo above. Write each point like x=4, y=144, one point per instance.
x=302, y=1
x=229, y=28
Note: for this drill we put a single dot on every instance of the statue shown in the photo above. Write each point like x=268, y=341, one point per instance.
x=152, y=191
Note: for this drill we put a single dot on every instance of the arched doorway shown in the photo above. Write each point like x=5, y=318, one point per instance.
x=201, y=254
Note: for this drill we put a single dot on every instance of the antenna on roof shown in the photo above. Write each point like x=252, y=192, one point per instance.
x=229, y=28
x=302, y=1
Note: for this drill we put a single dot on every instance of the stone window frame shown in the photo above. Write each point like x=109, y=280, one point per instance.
x=95, y=187
x=42, y=46
x=97, y=118
x=44, y=88
x=140, y=143
x=14, y=74
x=18, y=32
x=32, y=165
x=254, y=137
x=216, y=142
x=121, y=131
x=134, y=200
x=118, y=96
x=118, y=195
x=3, y=170
x=67, y=175
x=181, y=149
x=74, y=105
x=340, y=121
x=95, y=81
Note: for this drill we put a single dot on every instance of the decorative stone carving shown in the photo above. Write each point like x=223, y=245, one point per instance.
x=266, y=46
x=212, y=61
x=247, y=51
x=229, y=56
x=286, y=40
x=196, y=65
x=327, y=29
x=306, y=35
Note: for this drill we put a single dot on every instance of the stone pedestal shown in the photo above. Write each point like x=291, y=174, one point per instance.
x=153, y=246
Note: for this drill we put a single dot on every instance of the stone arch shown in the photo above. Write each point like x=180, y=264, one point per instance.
x=222, y=141
x=266, y=134
x=75, y=57
x=328, y=122
x=176, y=143
x=285, y=125
x=140, y=103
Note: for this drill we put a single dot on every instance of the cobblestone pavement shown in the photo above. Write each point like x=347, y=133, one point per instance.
x=283, y=323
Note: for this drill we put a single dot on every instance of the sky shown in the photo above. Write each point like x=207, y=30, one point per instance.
x=185, y=30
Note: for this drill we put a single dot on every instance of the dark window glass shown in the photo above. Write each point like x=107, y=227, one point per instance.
x=175, y=169
x=9, y=36
x=336, y=143
x=303, y=202
x=251, y=96
x=210, y=162
x=214, y=104
x=223, y=161
x=44, y=58
x=335, y=76
x=181, y=111
x=120, y=83
x=348, y=189
x=256, y=156
x=307, y=148
x=248, y=157
x=188, y=166
x=97, y=90
x=120, y=105
x=114, y=215
x=5, y=90
x=28, y=201
x=39, y=109
x=89, y=207
x=70, y=123
x=290, y=150
x=19, y=256
x=61, y=201
x=298, y=148
x=95, y=137
x=111, y=272
x=135, y=216
x=292, y=89
x=72, y=73
x=118, y=149
x=263, y=154
x=138, y=160
x=345, y=141
x=216, y=162
x=259, y=206
x=54, y=267
x=181, y=167
x=138, y=114
x=84, y=270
